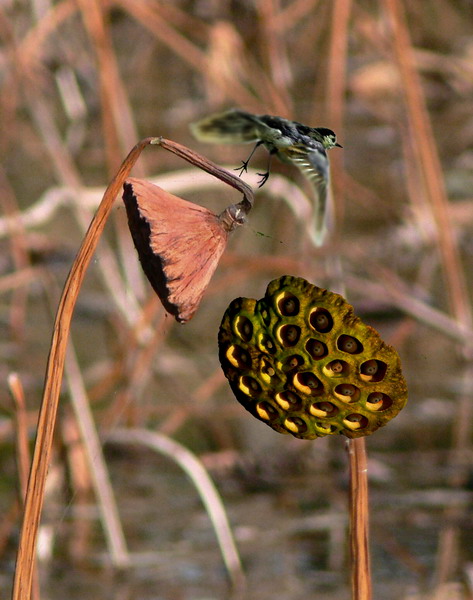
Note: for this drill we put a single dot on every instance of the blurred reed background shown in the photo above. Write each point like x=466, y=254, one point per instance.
x=81, y=82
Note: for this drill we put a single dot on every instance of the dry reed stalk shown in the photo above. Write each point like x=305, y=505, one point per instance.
x=19, y=253
x=66, y=172
x=117, y=116
x=118, y=124
x=274, y=47
x=430, y=168
x=336, y=87
x=204, y=486
x=149, y=332
x=30, y=50
x=190, y=53
x=21, y=426
x=107, y=505
x=428, y=162
x=80, y=541
x=209, y=386
x=359, y=521
x=32, y=47
x=57, y=355
x=289, y=16
x=139, y=370
x=359, y=507
x=23, y=454
x=53, y=379
x=65, y=169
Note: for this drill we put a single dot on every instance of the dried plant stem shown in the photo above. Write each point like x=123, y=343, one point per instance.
x=359, y=507
x=204, y=486
x=429, y=162
x=52, y=387
x=23, y=453
x=55, y=368
x=359, y=521
x=207, y=165
x=107, y=506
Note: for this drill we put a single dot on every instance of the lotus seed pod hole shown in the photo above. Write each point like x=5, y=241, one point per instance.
x=349, y=344
x=325, y=428
x=250, y=386
x=308, y=383
x=267, y=345
x=262, y=311
x=321, y=320
x=377, y=401
x=289, y=400
x=244, y=328
x=337, y=368
x=323, y=409
x=347, y=392
x=355, y=421
x=238, y=357
x=295, y=425
x=288, y=304
x=373, y=370
x=316, y=348
x=267, y=368
x=266, y=411
x=289, y=335
x=292, y=362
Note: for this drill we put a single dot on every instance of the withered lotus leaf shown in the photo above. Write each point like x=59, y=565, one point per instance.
x=179, y=244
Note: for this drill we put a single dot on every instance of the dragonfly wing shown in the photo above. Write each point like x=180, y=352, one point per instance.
x=315, y=167
x=230, y=127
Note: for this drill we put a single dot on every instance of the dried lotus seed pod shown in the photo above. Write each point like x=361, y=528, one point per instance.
x=302, y=362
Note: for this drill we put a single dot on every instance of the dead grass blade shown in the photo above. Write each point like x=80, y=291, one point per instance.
x=203, y=484
x=148, y=15
x=23, y=453
x=96, y=462
x=360, y=563
x=52, y=387
x=428, y=161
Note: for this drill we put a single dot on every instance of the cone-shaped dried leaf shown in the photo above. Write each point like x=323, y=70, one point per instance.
x=303, y=363
x=179, y=244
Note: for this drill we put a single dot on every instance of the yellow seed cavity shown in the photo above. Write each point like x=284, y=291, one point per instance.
x=295, y=424
x=238, y=357
x=349, y=344
x=355, y=421
x=244, y=328
x=325, y=427
x=287, y=400
x=249, y=386
x=267, y=370
x=321, y=320
x=266, y=411
x=370, y=367
x=373, y=370
x=289, y=334
x=316, y=348
x=347, y=392
x=336, y=366
x=307, y=383
x=378, y=401
x=323, y=409
x=287, y=304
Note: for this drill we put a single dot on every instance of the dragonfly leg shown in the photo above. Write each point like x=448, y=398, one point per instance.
x=245, y=163
x=265, y=176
